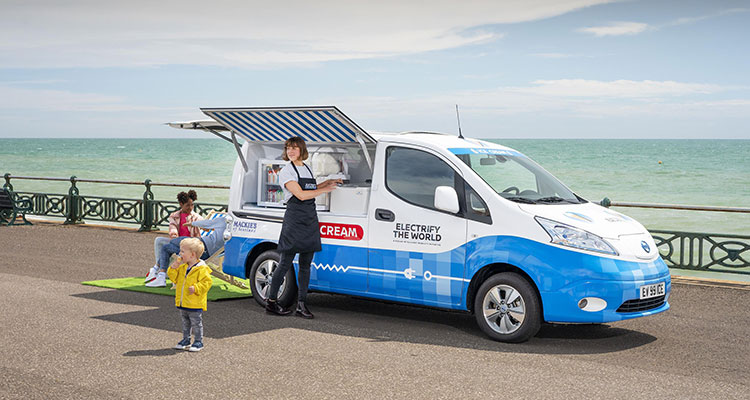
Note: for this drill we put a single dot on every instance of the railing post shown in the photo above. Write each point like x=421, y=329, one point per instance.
x=74, y=214
x=7, y=181
x=148, y=214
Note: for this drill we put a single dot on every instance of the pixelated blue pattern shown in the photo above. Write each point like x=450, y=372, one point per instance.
x=562, y=276
x=420, y=278
x=339, y=267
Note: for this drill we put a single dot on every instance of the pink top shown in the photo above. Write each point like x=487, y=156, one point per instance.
x=183, y=231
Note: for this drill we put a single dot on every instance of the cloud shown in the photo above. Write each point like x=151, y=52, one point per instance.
x=616, y=29
x=13, y=98
x=577, y=98
x=690, y=20
x=617, y=89
x=92, y=33
x=634, y=28
x=551, y=55
x=560, y=95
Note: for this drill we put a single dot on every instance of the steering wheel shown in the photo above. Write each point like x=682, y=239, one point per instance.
x=510, y=189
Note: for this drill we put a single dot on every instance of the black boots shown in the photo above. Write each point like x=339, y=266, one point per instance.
x=272, y=307
x=302, y=311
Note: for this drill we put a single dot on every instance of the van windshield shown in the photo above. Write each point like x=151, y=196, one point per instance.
x=517, y=178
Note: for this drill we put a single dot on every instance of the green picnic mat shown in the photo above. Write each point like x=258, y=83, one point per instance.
x=219, y=290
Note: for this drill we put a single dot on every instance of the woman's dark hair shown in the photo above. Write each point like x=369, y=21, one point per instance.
x=296, y=142
x=183, y=197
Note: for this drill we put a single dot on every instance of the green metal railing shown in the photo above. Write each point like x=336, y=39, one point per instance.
x=687, y=250
x=698, y=251
x=147, y=212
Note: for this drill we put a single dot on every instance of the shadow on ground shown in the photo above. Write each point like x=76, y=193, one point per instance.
x=373, y=320
x=152, y=353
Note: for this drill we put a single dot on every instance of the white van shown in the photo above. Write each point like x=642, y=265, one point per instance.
x=436, y=220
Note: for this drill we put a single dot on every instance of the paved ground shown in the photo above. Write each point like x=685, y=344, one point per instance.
x=63, y=340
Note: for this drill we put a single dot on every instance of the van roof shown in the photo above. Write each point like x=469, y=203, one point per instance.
x=435, y=139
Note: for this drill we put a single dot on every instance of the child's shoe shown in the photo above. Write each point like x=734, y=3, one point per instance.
x=160, y=281
x=152, y=273
x=197, y=346
x=183, y=345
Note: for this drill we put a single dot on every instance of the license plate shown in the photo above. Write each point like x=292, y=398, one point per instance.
x=649, y=291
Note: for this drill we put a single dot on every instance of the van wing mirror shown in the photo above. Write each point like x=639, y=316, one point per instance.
x=446, y=199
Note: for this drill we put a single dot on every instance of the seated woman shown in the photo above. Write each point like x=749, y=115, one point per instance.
x=179, y=225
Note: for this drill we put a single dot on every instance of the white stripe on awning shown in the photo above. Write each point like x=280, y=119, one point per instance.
x=325, y=124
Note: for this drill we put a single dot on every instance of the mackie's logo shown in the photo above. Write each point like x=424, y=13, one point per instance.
x=645, y=246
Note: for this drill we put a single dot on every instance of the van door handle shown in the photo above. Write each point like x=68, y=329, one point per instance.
x=382, y=214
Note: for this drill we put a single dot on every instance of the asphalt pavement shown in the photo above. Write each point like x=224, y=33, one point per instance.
x=64, y=340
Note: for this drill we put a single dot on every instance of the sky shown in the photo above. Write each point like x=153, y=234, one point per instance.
x=516, y=69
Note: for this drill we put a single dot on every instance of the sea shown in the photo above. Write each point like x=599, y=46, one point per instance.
x=685, y=172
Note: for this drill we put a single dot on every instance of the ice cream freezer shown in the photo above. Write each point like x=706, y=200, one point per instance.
x=350, y=200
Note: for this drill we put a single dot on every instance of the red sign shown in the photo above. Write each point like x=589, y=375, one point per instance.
x=341, y=231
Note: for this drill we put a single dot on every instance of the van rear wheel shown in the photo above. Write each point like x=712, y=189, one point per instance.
x=260, y=278
x=507, y=308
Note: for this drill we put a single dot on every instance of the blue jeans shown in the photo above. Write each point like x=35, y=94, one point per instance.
x=173, y=247
x=159, y=242
x=192, y=320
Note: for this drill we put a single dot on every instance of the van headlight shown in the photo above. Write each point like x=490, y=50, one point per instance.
x=567, y=235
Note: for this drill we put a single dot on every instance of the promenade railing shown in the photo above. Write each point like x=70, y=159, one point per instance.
x=147, y=212
x=697, y=250
x=686, y=250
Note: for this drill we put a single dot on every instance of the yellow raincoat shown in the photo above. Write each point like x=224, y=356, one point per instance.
x=199, y=276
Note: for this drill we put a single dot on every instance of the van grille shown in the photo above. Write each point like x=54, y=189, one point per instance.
x=637, y=305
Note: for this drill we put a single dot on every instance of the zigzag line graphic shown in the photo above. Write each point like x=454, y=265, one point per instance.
x=335, y=267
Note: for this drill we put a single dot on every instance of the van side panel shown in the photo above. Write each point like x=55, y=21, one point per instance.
x=235, y=254
x=338, y=267
x=563, y=277
x=434, y=279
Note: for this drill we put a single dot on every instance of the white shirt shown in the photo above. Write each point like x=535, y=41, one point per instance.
x=287, y=174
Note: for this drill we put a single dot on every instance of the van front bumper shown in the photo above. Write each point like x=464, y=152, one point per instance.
x=621, y=297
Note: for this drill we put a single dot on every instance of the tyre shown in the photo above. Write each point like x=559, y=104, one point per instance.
x=260, y=279
x=507, y=308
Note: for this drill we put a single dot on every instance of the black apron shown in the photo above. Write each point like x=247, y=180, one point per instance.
x=300, y=232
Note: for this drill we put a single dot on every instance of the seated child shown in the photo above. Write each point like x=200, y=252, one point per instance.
x=212, y=242
x=193, y=280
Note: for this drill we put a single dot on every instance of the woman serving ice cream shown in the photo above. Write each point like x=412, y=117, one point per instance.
x=300, y=232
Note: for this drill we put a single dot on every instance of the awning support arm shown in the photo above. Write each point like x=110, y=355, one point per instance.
x=219, y=135
x=364, y=150
x=239, y=151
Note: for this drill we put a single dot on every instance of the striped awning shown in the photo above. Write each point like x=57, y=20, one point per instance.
x=324, y=124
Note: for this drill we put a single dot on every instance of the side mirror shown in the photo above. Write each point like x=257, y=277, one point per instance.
x=446, y=199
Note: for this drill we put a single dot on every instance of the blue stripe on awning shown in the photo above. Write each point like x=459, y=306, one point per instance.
x=263, y=128
x=243, y=127
x=250, y=126
x=314, y=124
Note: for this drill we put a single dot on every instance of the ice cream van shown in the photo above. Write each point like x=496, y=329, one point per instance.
x=435, y=220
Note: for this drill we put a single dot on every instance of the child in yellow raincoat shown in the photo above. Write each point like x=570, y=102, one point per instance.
x=192, y=278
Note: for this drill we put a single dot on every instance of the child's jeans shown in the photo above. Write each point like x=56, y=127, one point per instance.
x=192, y=319
x=159, y=242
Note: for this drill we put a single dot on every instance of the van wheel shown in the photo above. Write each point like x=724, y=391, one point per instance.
x=507, y=308
x=260, y=276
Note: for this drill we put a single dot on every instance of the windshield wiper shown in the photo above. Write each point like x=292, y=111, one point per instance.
x=520, y=199
x=551, y=199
